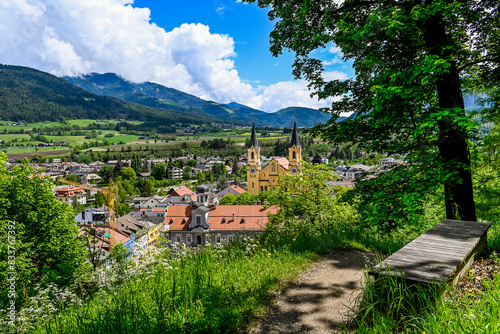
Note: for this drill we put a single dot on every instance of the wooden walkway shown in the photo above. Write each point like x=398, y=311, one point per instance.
x=441, y=254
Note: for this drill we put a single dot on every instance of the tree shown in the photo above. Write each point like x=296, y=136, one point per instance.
x=136, y=163
x=159, y=171
x=74, y=178
x=192, y=163
x=128, y=174
x=228, y=199
x=40, y=231
x=148, y=187
x=412, y=60
x=219, y=169
x=308, y=196
x=186, y=173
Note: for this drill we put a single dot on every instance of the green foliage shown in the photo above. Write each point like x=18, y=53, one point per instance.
x=219, y=169
x=74, y=178
x=412, y=62
x=192, y=163
x=148, y=187
x=186, y=173
x=45, y=237
x=228, y=199
x=159, y=171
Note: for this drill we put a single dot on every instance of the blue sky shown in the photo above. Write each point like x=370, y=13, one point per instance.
x=247, y=24
x=215, y=49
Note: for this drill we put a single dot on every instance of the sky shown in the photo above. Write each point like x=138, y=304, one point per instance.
x=215, y=49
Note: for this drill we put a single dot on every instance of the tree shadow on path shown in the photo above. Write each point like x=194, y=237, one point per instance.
x=321, y=299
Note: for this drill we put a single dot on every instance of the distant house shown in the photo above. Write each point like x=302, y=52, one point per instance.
x=147, y=202
x=180, y=191
x=68, y=195
x=45, y=144
x=92, y=216
x=233, y=190
x=61, y=143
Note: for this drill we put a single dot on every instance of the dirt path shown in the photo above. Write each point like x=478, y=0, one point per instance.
x=320, y=299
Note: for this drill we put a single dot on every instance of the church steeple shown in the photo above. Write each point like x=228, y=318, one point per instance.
x=294, y=150
x=253, y=166
x=253, y=139
x=295, y=136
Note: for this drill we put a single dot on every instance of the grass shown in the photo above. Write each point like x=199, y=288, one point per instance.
x=120, y=138
x=214, y=291
x=9, y=137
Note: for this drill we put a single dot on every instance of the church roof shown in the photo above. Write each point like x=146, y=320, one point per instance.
x=253, y=139
x=295, y=136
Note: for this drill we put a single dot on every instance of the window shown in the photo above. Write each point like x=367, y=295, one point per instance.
x=218, y=239
x=230, y=238
x=253, y=186
x=294, y=156
x=198, y=220
x=189, y=238
x=274, y=168
x=261, y=188
x=178, y=238
x=253, y=156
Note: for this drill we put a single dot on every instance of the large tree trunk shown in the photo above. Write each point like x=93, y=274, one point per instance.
x=453, y=142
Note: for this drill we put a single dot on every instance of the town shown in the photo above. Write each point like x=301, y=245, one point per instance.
x=189, y=211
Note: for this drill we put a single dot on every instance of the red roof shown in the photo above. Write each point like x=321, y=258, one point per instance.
x=178, y=213
x=239, y=190
x=182, y=191
x=69, y=192
x=246, y=217
x=283, y=162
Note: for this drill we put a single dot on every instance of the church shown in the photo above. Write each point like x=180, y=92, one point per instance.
x=265, y=177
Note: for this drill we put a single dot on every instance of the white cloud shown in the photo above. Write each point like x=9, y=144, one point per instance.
x=288, y=94
x=73, y=37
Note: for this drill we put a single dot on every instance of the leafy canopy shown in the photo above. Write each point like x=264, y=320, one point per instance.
x=413, y=61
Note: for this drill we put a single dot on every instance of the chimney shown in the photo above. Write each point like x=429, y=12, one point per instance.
x=233, y=216
x=255, y=202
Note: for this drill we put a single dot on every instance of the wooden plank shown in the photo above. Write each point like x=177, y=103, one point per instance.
x=439, y=255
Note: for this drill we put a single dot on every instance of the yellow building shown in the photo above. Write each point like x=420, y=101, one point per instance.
x=265, y=177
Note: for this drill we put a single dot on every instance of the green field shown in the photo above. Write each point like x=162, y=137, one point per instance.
x=118, y=138
x=19, y=137
x=29, y=126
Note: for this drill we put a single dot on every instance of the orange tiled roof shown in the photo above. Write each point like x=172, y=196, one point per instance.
x=178, y=213
x=183, y=191
x=283, y=162
x=246, y=217
x=238, y=189
x=69, y=192
x=155, y=209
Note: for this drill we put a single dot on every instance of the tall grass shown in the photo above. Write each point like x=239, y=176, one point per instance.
x=217, y=290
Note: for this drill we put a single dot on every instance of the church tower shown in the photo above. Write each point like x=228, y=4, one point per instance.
x=294, y=151
x=253, y=166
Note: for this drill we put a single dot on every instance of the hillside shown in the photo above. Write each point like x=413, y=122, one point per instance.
x=155, y=95
x=30, y=95
x=158, y=96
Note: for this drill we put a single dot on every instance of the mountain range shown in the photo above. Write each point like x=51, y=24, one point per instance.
x=31, y=95
x=158, y=96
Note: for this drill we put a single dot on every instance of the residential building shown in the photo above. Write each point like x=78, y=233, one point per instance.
x=70, y=194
